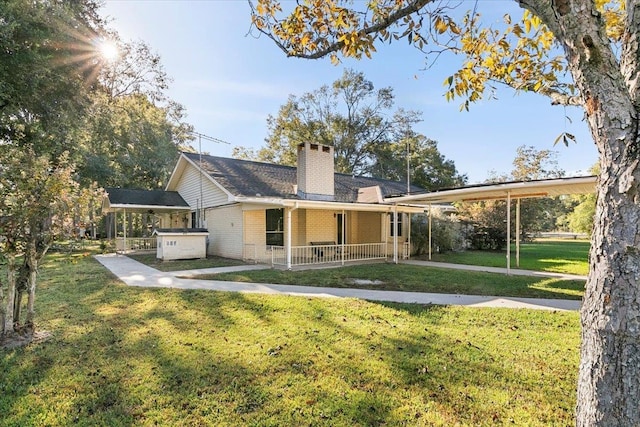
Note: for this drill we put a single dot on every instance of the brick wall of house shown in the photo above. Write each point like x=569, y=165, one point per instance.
x=369, y=227
x=320, y=226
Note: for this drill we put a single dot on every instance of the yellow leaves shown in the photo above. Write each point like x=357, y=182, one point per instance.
x=614, y=14
x=440, y=25
x=268, y=8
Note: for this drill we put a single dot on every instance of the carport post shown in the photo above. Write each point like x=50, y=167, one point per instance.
x=124, y=229
x=508, y=232
x=518, y=233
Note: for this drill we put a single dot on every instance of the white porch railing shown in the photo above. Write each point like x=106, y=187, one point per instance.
x=136, y=244
x=406, y=247
x=258, y=254
x=328, y=254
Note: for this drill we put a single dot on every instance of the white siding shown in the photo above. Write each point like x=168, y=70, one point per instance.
x=225, y=231
x=189, y=188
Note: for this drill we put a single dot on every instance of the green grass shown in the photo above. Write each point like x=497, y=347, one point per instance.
x=134, y=356
x=402, y=277
x=558, y=256
x=189, y=264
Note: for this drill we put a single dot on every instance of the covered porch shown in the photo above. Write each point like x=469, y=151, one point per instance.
x=150, y=209
x=293, y=234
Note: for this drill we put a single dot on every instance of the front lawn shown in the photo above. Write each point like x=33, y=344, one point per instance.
x=135, y=356
x=403, y=277
x=188, y=264
x=558, y=256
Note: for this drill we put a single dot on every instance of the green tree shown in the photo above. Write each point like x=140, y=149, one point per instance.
x=354, y=117
x=133, y=132
x=582, y=210
x=350, y=115
x=576, y=52
x=130, y=142
x=48, y=66
x=427, y=167
x=580, y=220
x=537, y=214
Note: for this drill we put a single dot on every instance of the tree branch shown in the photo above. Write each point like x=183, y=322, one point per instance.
x=399, y=14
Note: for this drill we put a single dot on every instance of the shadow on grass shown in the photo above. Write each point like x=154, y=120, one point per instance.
x=129, y=356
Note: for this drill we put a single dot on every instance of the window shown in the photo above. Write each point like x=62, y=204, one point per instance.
x=398, y=225
x=275, y=230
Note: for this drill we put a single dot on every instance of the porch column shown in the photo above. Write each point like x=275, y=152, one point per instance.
x=429, y=231
x=395, y=234
x=124, y=230
x=409, y=237
x=344, y=236
x=508, y=232
x=518, y=233
x=288, y=243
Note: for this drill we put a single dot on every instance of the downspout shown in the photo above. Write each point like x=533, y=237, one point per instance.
x=508, y=232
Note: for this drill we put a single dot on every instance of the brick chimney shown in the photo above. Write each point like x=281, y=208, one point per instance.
x=315, y=172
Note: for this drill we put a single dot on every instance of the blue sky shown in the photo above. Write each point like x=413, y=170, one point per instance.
x=230, y=81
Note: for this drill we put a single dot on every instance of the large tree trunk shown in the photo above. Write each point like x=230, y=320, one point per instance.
x=32, y=269
x=3, y=308
x=7, y=327
x=609, y=379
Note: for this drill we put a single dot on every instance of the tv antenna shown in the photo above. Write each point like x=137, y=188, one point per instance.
x=200, y=212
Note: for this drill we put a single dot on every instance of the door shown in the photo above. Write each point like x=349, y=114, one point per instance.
x=341, y=228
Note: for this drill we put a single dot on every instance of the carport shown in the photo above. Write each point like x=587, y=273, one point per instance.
x=168, y=206
x=509, y=191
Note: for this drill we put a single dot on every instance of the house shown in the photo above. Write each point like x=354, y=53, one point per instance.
x=289, y=216
x=285, y=215
x=292, y=215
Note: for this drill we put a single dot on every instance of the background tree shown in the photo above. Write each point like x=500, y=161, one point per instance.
x=428, y=168
x=358, y=122
x=600, y=42
x=350, y=115
x=537, y=214
x=133, y=132
x=581, y=210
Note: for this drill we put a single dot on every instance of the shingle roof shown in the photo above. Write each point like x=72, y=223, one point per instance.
x=124, y=196
x=251, y=179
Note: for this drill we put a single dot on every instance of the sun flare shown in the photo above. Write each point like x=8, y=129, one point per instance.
x=108, y=50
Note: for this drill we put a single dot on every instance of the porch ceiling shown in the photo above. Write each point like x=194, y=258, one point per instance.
x=332, y=206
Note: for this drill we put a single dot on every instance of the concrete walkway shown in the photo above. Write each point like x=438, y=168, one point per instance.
x=134, y=273
x=499, y=270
